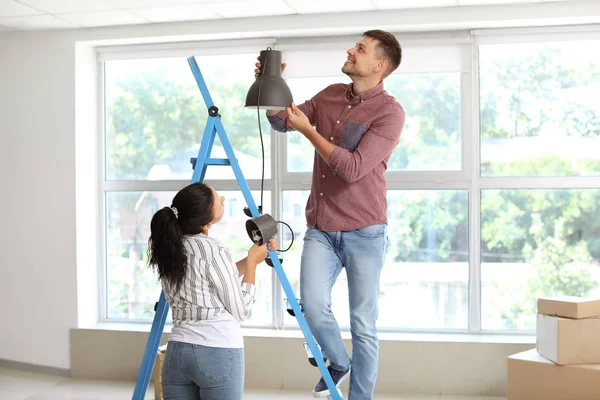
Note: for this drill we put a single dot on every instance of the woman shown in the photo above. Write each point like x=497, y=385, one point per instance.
x=205, y=353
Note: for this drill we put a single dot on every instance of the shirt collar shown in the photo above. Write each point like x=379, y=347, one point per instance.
x=366, y=95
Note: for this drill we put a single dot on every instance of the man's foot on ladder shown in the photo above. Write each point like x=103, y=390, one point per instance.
x=338, y=377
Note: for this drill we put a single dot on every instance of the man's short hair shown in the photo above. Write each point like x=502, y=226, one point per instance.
x=388, y=48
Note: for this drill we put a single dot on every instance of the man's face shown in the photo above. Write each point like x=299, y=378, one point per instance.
x=362, y=59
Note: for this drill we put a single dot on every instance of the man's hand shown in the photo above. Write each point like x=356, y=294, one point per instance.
x=297, y=120
x=257, y=69
x=256, y=75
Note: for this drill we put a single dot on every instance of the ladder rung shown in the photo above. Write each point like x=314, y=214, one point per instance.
x=218, y=161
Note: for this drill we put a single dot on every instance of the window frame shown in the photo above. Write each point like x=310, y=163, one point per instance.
x=468, y=178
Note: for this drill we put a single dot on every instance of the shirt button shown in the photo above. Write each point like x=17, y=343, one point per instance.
x=337, y=122
x=323, y=176
x=331, y=138
x=321, y=194
x=349, y=106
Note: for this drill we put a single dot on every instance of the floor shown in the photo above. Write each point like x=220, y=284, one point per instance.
x=19, y=385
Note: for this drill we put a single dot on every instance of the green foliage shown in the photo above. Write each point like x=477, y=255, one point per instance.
x=560, y=270
x=431, y=137
x=152, y=115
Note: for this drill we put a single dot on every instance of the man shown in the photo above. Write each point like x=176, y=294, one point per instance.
x=357, y=127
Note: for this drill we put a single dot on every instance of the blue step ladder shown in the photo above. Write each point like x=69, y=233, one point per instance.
x=214, y=127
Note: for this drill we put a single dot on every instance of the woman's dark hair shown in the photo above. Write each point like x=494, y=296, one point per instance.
x=192, y=208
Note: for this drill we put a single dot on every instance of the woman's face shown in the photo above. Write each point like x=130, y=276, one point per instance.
x=218, y=206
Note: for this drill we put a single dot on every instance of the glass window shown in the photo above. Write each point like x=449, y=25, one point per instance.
x=424, y=283
x=155, y=117
x=540, y=110
x=536, y=243
x=431, y=138
x=132, y=287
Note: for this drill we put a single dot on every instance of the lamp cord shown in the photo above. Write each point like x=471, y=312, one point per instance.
x=292, y=232
x=262, y=147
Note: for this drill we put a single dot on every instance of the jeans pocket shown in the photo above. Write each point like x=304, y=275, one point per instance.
x=371, y=232
x=167, y=360
x=214, y=364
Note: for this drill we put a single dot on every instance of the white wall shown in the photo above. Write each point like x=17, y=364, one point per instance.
x=38, y=258
x=37, y=174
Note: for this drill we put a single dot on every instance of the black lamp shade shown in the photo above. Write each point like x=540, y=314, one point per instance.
x=261, y=229
x=273, y=91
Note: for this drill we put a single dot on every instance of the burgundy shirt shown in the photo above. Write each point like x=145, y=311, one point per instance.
x=350, y=192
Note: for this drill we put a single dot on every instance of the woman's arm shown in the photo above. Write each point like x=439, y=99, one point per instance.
x=242, y=265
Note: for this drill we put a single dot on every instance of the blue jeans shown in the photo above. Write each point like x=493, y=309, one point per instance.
x=192, y=371
x=362, y=253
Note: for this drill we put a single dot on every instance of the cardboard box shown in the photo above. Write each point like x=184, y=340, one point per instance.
x=569, y=307
x=569, y=341
x=157, y=372
x=533, y=377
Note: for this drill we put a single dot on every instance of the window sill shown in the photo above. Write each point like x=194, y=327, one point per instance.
x=434, y=337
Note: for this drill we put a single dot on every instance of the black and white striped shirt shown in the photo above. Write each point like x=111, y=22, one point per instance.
x=211, y=286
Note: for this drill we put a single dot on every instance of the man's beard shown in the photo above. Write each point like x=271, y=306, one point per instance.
x=348, y=70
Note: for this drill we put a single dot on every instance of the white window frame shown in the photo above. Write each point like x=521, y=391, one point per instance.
x=129, y=52
x=468, y=178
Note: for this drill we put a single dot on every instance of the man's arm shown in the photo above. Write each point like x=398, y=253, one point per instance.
x=377, y=144
x=324, y=147
x=279, y=119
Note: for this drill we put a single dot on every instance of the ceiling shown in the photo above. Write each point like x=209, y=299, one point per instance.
x=64, y=14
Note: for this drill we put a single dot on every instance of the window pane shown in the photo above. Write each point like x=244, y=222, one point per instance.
x=431, y=136
x=430, y=140
x=155, y=117
x=536, y=243
x=132, y=288
x=540, y=110
x=424, y=283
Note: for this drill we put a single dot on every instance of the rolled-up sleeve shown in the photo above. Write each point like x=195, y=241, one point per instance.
x=377, y=144
x=279, y=122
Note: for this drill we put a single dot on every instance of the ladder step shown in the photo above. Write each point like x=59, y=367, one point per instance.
x=311, y=357
x=289, y=308
x=218, y=161
x=211, y=161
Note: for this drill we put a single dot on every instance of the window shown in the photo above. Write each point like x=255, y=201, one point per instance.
x=536, y=243
x=540, y=112
x=233, y=207
x=424, y=283
x=155, y=117
x=428, y=255
x=493, y=192
x=132, y=287
x=539, y=119
x=431, y=139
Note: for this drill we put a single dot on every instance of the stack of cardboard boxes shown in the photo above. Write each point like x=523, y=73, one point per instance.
x=566, y=363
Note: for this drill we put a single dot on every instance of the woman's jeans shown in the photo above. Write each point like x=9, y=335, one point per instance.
x=362, y=253
x=192, y=371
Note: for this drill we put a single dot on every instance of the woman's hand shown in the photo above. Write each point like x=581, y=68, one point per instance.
x=273, y=245
x=257, y=254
